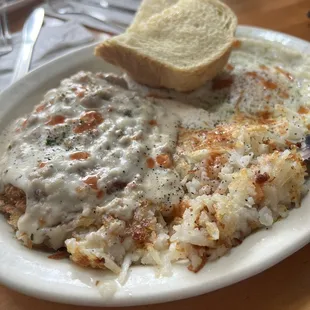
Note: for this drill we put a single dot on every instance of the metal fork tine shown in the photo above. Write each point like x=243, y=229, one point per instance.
x=7, y=33
x=1, y=35
x=5, y=36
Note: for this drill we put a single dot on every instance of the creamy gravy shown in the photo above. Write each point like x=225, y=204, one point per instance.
x=93, y=143
x=87, y=143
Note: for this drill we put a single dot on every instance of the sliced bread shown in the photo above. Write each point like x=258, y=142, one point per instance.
x=149, y=8
x=176, y=44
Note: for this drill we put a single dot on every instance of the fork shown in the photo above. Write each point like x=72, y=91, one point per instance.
x=110, y=5
x=67, y=7
x=5, y=36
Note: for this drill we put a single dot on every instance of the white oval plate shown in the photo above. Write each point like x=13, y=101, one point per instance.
x=32, y=273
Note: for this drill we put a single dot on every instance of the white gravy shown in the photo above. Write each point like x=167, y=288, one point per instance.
x=93, y=143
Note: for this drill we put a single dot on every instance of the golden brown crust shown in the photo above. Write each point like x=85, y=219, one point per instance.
x=13, y=204
x=88, y=260
x=151, y=72
x=59, y=255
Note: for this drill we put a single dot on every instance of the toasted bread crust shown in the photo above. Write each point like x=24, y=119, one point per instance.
x=151, y=72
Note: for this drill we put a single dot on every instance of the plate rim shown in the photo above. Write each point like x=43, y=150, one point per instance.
x=163, y=297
